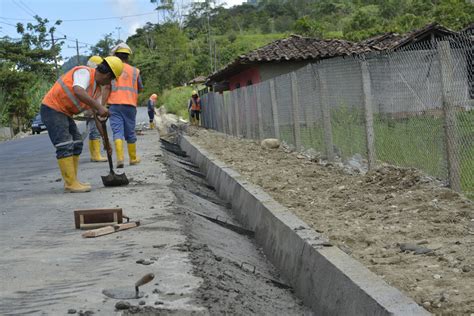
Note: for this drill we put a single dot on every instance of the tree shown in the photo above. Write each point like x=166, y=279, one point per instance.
x=103, y=46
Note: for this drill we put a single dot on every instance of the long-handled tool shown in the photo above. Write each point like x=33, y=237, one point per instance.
x=123, y=293
x=112, y=179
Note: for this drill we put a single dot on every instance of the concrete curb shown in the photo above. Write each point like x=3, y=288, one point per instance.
x=325, y=278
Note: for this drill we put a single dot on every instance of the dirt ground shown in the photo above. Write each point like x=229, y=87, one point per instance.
x=415, y=234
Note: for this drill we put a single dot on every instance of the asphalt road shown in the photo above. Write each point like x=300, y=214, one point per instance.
x=200, y=267
x=46, y=267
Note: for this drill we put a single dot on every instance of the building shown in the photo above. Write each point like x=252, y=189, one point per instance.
x=286, y=55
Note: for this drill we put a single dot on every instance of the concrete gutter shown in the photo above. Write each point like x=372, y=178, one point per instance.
x=324, y=277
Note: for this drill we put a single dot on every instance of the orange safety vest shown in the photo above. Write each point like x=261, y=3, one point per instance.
x=61, y=96
x=124, y=90
x=196, y=104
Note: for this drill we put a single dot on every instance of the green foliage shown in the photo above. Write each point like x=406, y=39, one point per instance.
x=26, y=71
x=176, y=100
x=103, y=46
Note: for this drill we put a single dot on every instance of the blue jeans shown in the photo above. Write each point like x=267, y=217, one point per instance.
x=93, y=131
x=62, y=131
x=151, y=115
x=122, y=121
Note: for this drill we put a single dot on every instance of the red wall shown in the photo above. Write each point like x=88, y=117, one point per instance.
x=243, y=77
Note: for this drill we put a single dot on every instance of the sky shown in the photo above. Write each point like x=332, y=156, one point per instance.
x=87, y=32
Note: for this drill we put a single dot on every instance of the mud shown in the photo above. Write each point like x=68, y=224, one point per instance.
x=405, y=227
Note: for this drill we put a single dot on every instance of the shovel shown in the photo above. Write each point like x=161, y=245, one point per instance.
x=112, y=179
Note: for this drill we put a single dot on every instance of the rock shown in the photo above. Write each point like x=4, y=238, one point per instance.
x=466, y=269
x=159, y=303
x=170, y=293
x=134, y=309
x=147, y=262
x=300, y=157
x=140, y=261
x=121, y=305
x=218, y=258
x=228, y=273
x=156, y=291
x=418, y=250
x=270, y=143
x=159, y=246
x=71, y=311
x=427, y=304
x=141, y=303
x=436, y=276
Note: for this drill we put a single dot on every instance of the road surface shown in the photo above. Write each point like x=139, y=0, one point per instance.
x=47, y=268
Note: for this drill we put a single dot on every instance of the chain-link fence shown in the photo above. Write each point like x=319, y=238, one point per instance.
x=413, y=108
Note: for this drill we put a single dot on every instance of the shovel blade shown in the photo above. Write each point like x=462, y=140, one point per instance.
x=114, y=180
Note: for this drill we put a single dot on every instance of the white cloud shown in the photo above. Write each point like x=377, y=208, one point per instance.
x=128, y=7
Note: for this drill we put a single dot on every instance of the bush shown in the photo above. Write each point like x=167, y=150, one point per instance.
x=176, y=100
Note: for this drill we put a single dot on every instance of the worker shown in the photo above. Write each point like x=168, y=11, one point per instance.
x=73, y=93
x=94, y=135
x=194, y=107
x=151, y=109
x=122, y=99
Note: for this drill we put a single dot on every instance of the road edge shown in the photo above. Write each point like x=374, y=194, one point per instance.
x=324, y=277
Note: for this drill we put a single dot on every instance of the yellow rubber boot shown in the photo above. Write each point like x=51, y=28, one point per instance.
x=152, y=125
x=94, y=147
x=68, y=171
x=119, y=151
x=75, y=158
x=132, y=153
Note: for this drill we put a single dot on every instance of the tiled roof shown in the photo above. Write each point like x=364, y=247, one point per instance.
x=392, y=41
x=298, y=48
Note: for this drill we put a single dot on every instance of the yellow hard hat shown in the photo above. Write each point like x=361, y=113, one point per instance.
x=115, y=64
x=195, y=92
x=94, y=61
x=121, y=48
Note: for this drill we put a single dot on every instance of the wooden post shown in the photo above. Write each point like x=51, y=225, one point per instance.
x=296, y=111
x=369, y=116
x=276, y=123
x=451, y=137
x=259, y=111
x=236, y=109
x=248, y=116
x=223, y=114
x=325, y=114
x=230, y=111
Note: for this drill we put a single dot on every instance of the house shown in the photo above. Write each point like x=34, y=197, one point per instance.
x=278, y=58
x=286, y=55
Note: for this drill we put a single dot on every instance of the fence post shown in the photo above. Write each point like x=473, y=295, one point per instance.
x=325, y=114
x=248, y=127
x=296, y=111
x=236, y=109
x=369, y=116
x=257, y=90
x=222, y=113
x=276, y=124
x=449, y=110
x=230, y=110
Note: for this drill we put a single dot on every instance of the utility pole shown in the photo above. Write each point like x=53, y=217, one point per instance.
x=77, y=51
x=52, y=47
x=118, y=28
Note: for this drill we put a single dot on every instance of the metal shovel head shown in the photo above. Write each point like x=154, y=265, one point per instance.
x=114, y=180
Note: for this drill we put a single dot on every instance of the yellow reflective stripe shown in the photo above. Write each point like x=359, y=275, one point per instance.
x=134, y=78
x=69, y=94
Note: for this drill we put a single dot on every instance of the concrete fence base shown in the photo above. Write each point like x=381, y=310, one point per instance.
x=324, y=277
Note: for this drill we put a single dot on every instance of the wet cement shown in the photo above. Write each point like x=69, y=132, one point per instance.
x=237, y=278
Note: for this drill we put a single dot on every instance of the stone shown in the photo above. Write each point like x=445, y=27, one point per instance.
x=121, y=305
x=218, y=258
x=71, y=311
x=270, y=143
x=159, y=303
x=426, y=304
x=141, y=303
x=436, y=276
x=466, y=269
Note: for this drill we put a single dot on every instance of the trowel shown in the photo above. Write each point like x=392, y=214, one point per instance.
x=124, y=293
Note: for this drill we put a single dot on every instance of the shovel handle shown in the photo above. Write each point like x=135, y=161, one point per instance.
x=103, y=132
x=144, y=280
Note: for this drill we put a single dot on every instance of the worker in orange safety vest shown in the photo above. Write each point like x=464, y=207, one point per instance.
x=194, y=108
x=123, y=99
x=73, y=93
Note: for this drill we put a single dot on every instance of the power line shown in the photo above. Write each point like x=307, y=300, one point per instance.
x=8, y=23
x=23, y=8
x=89, y=19
x=27, y=7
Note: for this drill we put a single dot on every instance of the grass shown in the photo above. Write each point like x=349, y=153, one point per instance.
x=410, y=142
x=176, y=100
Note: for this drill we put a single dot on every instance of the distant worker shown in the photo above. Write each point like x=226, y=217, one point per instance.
x=194, y=108
x=123, y=99
x=94, y=135
x=151, y=109
x=73, y=93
